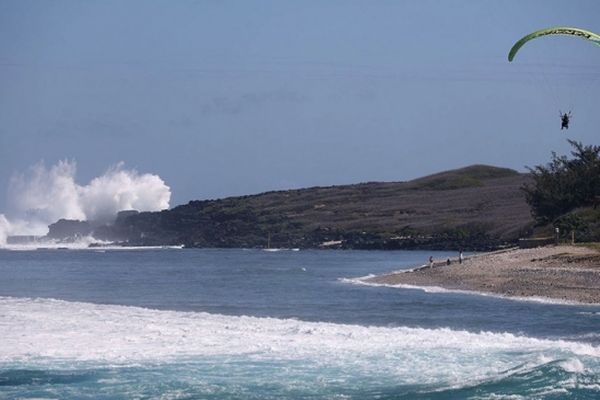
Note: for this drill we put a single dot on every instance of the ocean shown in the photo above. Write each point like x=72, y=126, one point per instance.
x=251, y=324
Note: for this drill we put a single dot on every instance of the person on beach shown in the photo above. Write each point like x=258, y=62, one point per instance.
x=460, y=257
x=430, y=261
x=448, y=261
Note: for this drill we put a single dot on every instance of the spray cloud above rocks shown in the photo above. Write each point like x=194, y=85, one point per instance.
x=42, y=195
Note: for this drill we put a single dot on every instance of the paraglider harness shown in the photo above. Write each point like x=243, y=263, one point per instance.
x=564, y=120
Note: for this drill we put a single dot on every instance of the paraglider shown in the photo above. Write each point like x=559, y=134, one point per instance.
x=565, y=118
x=557, y=30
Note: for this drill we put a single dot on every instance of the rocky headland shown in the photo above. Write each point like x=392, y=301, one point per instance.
x=474, y=208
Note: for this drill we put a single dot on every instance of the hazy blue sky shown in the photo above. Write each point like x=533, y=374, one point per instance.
x=224, y=98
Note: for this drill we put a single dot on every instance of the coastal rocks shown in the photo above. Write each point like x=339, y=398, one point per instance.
x=477, y=208
x=66, y=229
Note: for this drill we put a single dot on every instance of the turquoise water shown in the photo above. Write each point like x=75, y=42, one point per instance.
x=248, y=324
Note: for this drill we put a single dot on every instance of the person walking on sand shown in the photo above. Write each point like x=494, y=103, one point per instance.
x=460, y=257
x=430, y=261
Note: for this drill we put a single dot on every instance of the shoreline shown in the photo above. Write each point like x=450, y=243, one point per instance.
x=565, y=274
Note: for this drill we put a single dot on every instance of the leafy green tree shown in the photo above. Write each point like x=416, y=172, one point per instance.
x=564, y=183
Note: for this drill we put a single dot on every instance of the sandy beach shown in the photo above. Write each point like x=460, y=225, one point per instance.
x=565, y=273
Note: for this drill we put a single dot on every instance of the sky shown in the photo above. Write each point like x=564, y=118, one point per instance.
x=224, y=98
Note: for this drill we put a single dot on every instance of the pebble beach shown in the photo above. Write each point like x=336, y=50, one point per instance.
x=564, y=273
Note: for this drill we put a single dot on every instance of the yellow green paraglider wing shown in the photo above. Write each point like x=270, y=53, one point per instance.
x=557, y=30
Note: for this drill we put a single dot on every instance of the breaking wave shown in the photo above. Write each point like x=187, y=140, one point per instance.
x=42, y=196
x=56, y=341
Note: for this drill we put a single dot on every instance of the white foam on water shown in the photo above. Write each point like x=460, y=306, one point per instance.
x=39, y=331
x=572, y=365
x=83, y=245
x=364, y=280
x=590, y=314
x=552, y=392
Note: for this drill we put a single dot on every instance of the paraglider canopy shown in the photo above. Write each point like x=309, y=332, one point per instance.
x=557, y=30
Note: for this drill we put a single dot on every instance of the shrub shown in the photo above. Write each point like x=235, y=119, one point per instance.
x=564, y=184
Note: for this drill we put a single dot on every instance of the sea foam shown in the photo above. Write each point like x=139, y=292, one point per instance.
x=366, y=281
x=39, y=331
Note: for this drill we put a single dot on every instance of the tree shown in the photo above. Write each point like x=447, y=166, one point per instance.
x=564, y=184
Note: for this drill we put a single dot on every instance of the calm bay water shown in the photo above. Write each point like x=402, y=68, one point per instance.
x=187, y=324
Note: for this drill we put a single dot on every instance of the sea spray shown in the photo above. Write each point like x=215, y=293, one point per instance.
x=4, y=229
x=44, y=195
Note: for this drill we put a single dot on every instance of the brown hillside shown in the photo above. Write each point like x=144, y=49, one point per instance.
x=477, y=206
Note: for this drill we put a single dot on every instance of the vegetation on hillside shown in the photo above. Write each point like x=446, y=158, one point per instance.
x=472, y=176
x=566, y=191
